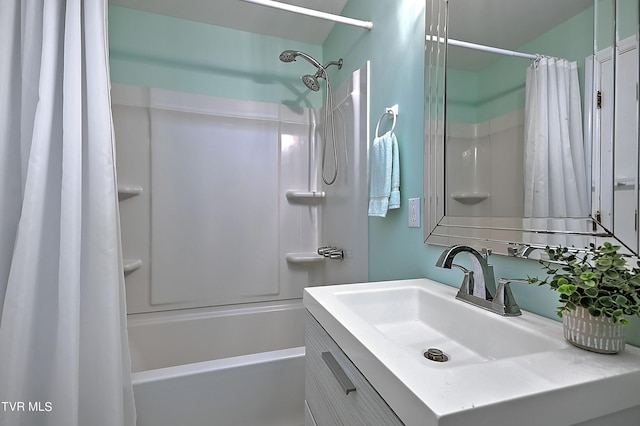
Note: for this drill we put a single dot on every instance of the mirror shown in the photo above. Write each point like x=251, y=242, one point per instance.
x=531, y=123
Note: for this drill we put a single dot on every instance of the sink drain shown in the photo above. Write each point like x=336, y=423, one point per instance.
x=436, y=355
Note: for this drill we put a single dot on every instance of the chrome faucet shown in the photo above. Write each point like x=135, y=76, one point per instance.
x=483, y=283
x=479, y=285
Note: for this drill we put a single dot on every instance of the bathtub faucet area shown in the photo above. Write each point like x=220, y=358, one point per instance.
x=331, y=252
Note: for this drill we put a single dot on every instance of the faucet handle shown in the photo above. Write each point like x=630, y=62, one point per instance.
x=467, y=281
x=505, y=298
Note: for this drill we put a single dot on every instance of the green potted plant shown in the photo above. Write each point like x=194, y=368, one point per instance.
x=598, y=289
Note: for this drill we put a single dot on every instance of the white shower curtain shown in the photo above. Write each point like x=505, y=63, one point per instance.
x=554, y=159
x=64, y=356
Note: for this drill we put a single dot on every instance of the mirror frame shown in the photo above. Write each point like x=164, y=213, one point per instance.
x=503, y=235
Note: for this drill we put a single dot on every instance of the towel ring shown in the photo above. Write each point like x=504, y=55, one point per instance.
x=387, y=112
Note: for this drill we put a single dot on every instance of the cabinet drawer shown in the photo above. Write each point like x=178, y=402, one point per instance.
x=330, y=379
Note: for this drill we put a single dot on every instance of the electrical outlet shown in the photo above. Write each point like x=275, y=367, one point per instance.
x=414, y=212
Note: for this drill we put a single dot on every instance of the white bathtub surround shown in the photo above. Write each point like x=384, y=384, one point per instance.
x=207, y=242
x=227, y=227
x=479, y=158
x=343, y=215
x=212, y=224
x=64, y=356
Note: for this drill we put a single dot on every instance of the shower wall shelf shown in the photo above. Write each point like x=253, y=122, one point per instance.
x=623, y=183
x=128, y=191
x=304, y=196
x=470, y=197
x=304, y=257
x=131, y=265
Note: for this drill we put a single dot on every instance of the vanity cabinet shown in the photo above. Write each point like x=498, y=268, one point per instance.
x=336, y=392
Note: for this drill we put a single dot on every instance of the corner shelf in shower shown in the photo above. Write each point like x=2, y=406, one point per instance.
x=294, y=195
x=470, y=197
x=128, y=191
x=131, y=265
x=304, y=257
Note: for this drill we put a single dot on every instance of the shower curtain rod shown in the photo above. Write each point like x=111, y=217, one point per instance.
x=314, y=13
x=484, y=48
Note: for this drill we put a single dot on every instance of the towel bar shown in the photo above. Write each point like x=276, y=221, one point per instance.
x=393, y=110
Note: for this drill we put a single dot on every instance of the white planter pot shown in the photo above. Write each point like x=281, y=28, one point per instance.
x=596, y=334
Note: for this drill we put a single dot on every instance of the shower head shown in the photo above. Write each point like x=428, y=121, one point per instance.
x=288, y=56
x=311, y=81
x=291, y=55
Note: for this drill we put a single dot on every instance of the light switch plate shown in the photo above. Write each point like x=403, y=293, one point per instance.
x=414, y=212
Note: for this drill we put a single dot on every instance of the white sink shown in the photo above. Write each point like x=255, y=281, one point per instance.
x=419, y=317
x=500, y=370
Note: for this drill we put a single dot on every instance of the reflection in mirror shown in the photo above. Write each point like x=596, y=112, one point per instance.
x=615, y=136
x=513, y=164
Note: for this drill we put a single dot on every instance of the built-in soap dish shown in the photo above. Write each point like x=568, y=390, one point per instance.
x=305, y=257
x=470, y=197
x=128, y=191
x=131, y=265
x=296, y=196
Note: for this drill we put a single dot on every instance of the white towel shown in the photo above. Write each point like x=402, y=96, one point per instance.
x=384, y=191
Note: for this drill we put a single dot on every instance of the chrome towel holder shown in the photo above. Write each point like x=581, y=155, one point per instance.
x=393, y=111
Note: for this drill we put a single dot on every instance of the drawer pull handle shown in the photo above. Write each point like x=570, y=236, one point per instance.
x=346, y=384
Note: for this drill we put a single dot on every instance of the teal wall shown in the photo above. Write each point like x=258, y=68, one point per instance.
x=462, y=96
x=152, y=50
x=395, y=48
x=627, y=15
x=170, y=53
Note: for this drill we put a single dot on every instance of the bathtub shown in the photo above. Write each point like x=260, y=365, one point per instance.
x=229, y=366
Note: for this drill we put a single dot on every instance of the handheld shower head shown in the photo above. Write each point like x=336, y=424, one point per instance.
x=288, y=56
x=291, y=55
x=311, y=81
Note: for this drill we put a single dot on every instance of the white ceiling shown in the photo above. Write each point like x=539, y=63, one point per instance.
x=244, y=16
